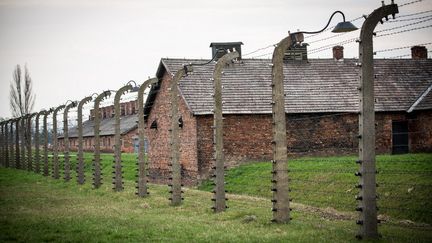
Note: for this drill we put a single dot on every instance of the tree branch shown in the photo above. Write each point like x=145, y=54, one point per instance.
x=21, y=98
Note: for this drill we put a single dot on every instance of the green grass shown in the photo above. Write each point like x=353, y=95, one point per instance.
x=34, y=208
x=107, y=161
x=405, y=183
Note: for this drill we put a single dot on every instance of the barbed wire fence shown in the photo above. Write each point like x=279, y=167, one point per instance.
x=421, y=17
x=309, y=184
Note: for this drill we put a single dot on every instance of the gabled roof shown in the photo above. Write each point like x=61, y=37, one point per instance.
x=319, y=85
x=127, y=124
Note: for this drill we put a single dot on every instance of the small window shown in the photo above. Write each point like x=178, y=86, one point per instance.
x=153, y=125
x=180, y=122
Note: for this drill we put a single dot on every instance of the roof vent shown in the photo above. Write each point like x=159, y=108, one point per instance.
x=296, y=53
x=225, y=46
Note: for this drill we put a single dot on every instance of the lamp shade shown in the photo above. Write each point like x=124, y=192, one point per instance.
x=344, y=27
x=135, y=89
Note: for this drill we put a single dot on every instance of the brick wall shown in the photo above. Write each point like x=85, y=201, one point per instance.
x=159, y=150
x=128, y=141
x=419, y=129
x=322, y=134
x=421, y=132
x=248, y=137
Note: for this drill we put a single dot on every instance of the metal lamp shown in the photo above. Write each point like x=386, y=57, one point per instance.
x=344, y=26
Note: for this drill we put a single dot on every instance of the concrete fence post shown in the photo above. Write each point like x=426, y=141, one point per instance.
x=176, y=185
x=67, y=165
x=367, y=205
x=29, y=142
x=45, y=150
x=80, y=159
x=2, y=158
x=2, y=150
x=23, y=160
x=219, y=165
x=142, y=158
x=6, y=144
x=55, y=161
x=37, y=158
x=97, y=173
x=118, y=172
x=17, y=144
x=280, y=186
x=12, y=156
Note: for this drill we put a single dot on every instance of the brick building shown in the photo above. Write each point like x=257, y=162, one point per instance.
x=321, y=109
x=128, y=129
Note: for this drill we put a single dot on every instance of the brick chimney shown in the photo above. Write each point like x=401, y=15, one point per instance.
x=338, y=53
x=419, y=52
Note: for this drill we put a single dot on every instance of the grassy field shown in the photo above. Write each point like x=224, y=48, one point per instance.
x=36, y=208
x=405, y=183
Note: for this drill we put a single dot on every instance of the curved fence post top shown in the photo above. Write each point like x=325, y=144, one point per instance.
x=58, y=108
x=376, y=17
x=46, y=113
x=102, y=96
x=84, y=101
x=69, y=106
x=147, y=83
x=40, y=113
x=122, y=91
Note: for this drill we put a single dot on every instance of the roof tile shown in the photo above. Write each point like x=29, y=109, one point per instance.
x=319, y=85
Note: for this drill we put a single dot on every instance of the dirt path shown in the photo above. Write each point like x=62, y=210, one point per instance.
x=330, y=213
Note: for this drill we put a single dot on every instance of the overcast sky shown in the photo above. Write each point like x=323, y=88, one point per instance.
x=76, y=48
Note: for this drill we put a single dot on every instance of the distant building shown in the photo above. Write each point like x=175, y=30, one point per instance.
x=128, y=129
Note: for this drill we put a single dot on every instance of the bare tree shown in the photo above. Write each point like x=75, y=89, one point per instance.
x=21, y=98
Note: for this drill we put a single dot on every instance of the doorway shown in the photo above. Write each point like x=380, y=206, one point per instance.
x=400, y=137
